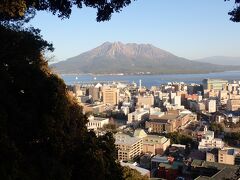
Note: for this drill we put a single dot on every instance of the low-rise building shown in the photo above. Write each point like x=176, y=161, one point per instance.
x=169, y=122
x=142, y=171
x=138, y=115
x=94, y=108
x=223, y=156
x=152, y=144
x=212, y=170
x=208, y=141
x=226, y=156
x=95, y=123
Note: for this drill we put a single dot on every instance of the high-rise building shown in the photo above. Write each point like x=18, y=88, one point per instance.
x=214, y=84
x=110, y=95
x=172, y=95
x=211, y=106
x=94, y=92
x=177, y=100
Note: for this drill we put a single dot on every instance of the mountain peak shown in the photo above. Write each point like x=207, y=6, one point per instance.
x=131, y=58
x=131, y=50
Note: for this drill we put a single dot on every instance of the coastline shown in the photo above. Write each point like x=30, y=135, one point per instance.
x=141, y=74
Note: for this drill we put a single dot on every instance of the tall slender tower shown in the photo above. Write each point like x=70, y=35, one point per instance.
x=140, y=84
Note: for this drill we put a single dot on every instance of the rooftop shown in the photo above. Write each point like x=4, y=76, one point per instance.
x=124, y=139
x=139, y=169
x=163, y=121
x=209, y=133
x=154, y=137
x=169, y=116
x=140, y=133
x=100, y=119
x=161, y=159
x=206, y=164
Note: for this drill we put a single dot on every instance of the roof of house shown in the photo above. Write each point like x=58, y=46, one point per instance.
x=125, y=139
x=139, y=133
x=139, y=169
x=226, y=171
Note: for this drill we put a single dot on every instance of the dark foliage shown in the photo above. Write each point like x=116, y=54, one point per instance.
x=235, y=13
x=130, y=174
x=178, y=138
x=25, y=9
x=42, y=129
x=217, y=128
x=232, y=139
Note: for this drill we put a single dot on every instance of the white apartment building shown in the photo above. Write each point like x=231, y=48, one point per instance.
x=208, y=141
x=177, y=100
x=95, y=123
x=211, y=106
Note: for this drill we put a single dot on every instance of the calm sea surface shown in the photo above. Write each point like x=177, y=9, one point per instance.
x=150, y=80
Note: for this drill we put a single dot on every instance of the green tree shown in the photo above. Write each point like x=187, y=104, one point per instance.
x=132, y=174
x=25, y=9
x=235, y=13
x=233, y=138
x=216, y=127
x=177, y=138
x=42, y=129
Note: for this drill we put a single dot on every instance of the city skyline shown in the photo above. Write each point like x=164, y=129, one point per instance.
x=187, y=29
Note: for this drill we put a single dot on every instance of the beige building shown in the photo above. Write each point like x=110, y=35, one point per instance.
x=226, y=156
x=201, y=106
x=223, y=96
x=128, y=147
x=145, y=101
x=234, y=96
x=167, y=123
x=94, y=92
x=110, y=95
x=158, y=125
x=211, y=157
x=233, y=104
x=152, y=144
x=94, y=108
x=223, y=156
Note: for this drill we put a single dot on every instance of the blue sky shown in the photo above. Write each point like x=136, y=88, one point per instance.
x=187, y=28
